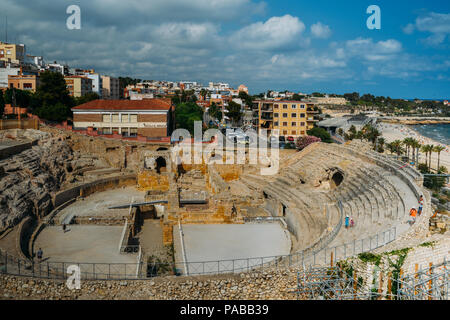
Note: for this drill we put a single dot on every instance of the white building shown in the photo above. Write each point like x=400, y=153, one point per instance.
x=96, y=82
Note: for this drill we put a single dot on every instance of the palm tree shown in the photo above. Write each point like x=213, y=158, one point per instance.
x=416, y=147
x=408, y=143
x=397, y=144
x=438, y=150
x=427, y=149
x=381, y=142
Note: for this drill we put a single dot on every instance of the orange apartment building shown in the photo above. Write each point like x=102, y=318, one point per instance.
x=23, y=82
x=150, y=117
x=290, y=118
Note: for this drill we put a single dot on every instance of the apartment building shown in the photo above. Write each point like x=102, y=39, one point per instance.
x=23, y=82
x=10, y=52
x=110, y=88
x=150, y=118
x=290, y=118
x=78, y=86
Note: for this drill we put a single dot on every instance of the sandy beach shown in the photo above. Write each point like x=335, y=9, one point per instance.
x=393, y=132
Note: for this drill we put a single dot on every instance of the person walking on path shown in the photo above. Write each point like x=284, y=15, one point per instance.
x=352, y=223
x=64, y=227
x=347, y=221
x=420, y=205
x=413, y=214
x=39, y=254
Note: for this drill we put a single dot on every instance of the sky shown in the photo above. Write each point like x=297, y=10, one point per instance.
x=303, y=46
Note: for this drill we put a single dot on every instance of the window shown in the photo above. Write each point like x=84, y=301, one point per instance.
x=293, y=124
x=293, y=132
x=125, y=117
x=275, y=106
x=302, y=115
x=285, y=106
x=133, y=131
x=302, y=132
x=275, y=124
x=284, y=124
x=27, y=85
x=302, y=106
x=115, y=117
x=302, y=124
x=294, y=115
x=8, y=51
x=106, y=118
x=285, y=132
x=294, y=106
x=133, y=118
x=285, y=115
x=275, y=115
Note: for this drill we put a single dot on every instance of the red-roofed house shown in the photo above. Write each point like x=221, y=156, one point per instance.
x=149, y=118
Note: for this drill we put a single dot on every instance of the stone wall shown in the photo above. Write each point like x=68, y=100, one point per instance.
x=92, y=187
x=15, y=149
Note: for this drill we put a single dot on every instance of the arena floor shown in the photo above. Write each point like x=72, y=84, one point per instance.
x=212, y=242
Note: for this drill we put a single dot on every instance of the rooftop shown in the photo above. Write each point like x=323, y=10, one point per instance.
x=148, y=104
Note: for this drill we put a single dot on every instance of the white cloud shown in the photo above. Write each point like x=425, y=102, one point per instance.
x=438, y=24
x=276, y=32
x=320, y=30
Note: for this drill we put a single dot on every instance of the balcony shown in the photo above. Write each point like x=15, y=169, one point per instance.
x=312, y=119
x=311, y=110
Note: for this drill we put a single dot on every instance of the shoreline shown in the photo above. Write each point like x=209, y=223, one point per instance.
x=414, y=121
x=399, y=131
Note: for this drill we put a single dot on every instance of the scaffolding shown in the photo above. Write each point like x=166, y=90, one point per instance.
x=333, y=283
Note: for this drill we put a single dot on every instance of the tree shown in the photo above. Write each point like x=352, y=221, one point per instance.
x=186, y=114
x=427, y=149
x=438, y=150
x=86, y=98
x=297, y=97
x=234, y=112
x=52, y=89
x=215, y=112
x=2, y=104
x=246, y=98
x=320, y=133
x=381, y=142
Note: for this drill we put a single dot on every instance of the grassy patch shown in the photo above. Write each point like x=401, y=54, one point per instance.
x=428, y=244
x=369, y=257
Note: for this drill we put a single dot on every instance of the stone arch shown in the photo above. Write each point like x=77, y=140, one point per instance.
x=336, y=179
x=161, y=164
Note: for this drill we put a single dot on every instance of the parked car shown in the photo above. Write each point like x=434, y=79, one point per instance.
x=290, y=139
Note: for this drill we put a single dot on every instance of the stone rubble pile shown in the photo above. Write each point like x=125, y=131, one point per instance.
x=269, y=284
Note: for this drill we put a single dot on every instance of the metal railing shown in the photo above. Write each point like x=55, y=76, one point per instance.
x=127, y=271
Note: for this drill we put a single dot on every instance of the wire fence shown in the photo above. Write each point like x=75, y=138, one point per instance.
x=147, y=269
x=334, y=283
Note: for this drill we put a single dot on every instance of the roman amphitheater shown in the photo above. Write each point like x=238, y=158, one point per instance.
x=130, y=212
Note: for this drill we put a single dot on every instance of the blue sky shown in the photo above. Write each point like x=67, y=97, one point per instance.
x=303, y=46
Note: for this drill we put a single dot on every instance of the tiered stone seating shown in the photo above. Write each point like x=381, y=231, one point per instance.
x=377, y=192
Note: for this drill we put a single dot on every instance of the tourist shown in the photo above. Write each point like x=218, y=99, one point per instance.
x=352, y=223
x=420, y=205
x=39, y=254
x=347, y=221
x=233, y=211
x=413, y=213
x=64, y=227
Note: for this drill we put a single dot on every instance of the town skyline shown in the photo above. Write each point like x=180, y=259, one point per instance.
x=307, y=47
